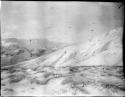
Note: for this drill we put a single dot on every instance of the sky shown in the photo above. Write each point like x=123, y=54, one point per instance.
x=59, y=21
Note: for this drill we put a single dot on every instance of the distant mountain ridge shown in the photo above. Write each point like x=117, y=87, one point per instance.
x=35, y=43
x=17, y=50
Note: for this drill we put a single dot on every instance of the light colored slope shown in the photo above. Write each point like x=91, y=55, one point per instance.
x=104, y=49
x=109, y=57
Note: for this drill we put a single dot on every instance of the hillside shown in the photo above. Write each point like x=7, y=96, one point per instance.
x=94, y=68
x=15, y=50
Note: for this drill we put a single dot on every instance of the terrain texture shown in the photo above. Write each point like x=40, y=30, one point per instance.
x=94, y=68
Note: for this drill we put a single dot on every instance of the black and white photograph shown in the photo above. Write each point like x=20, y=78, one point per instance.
x=62, y=48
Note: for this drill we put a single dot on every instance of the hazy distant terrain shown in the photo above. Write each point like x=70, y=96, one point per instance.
x=15, y=50
x=93, y=68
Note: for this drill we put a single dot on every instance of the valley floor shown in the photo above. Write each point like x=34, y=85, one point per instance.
x=68, y=81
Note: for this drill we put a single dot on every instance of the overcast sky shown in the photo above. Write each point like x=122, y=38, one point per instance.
x=59, y=21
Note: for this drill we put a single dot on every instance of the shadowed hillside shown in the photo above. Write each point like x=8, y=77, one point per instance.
x=17, y=50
